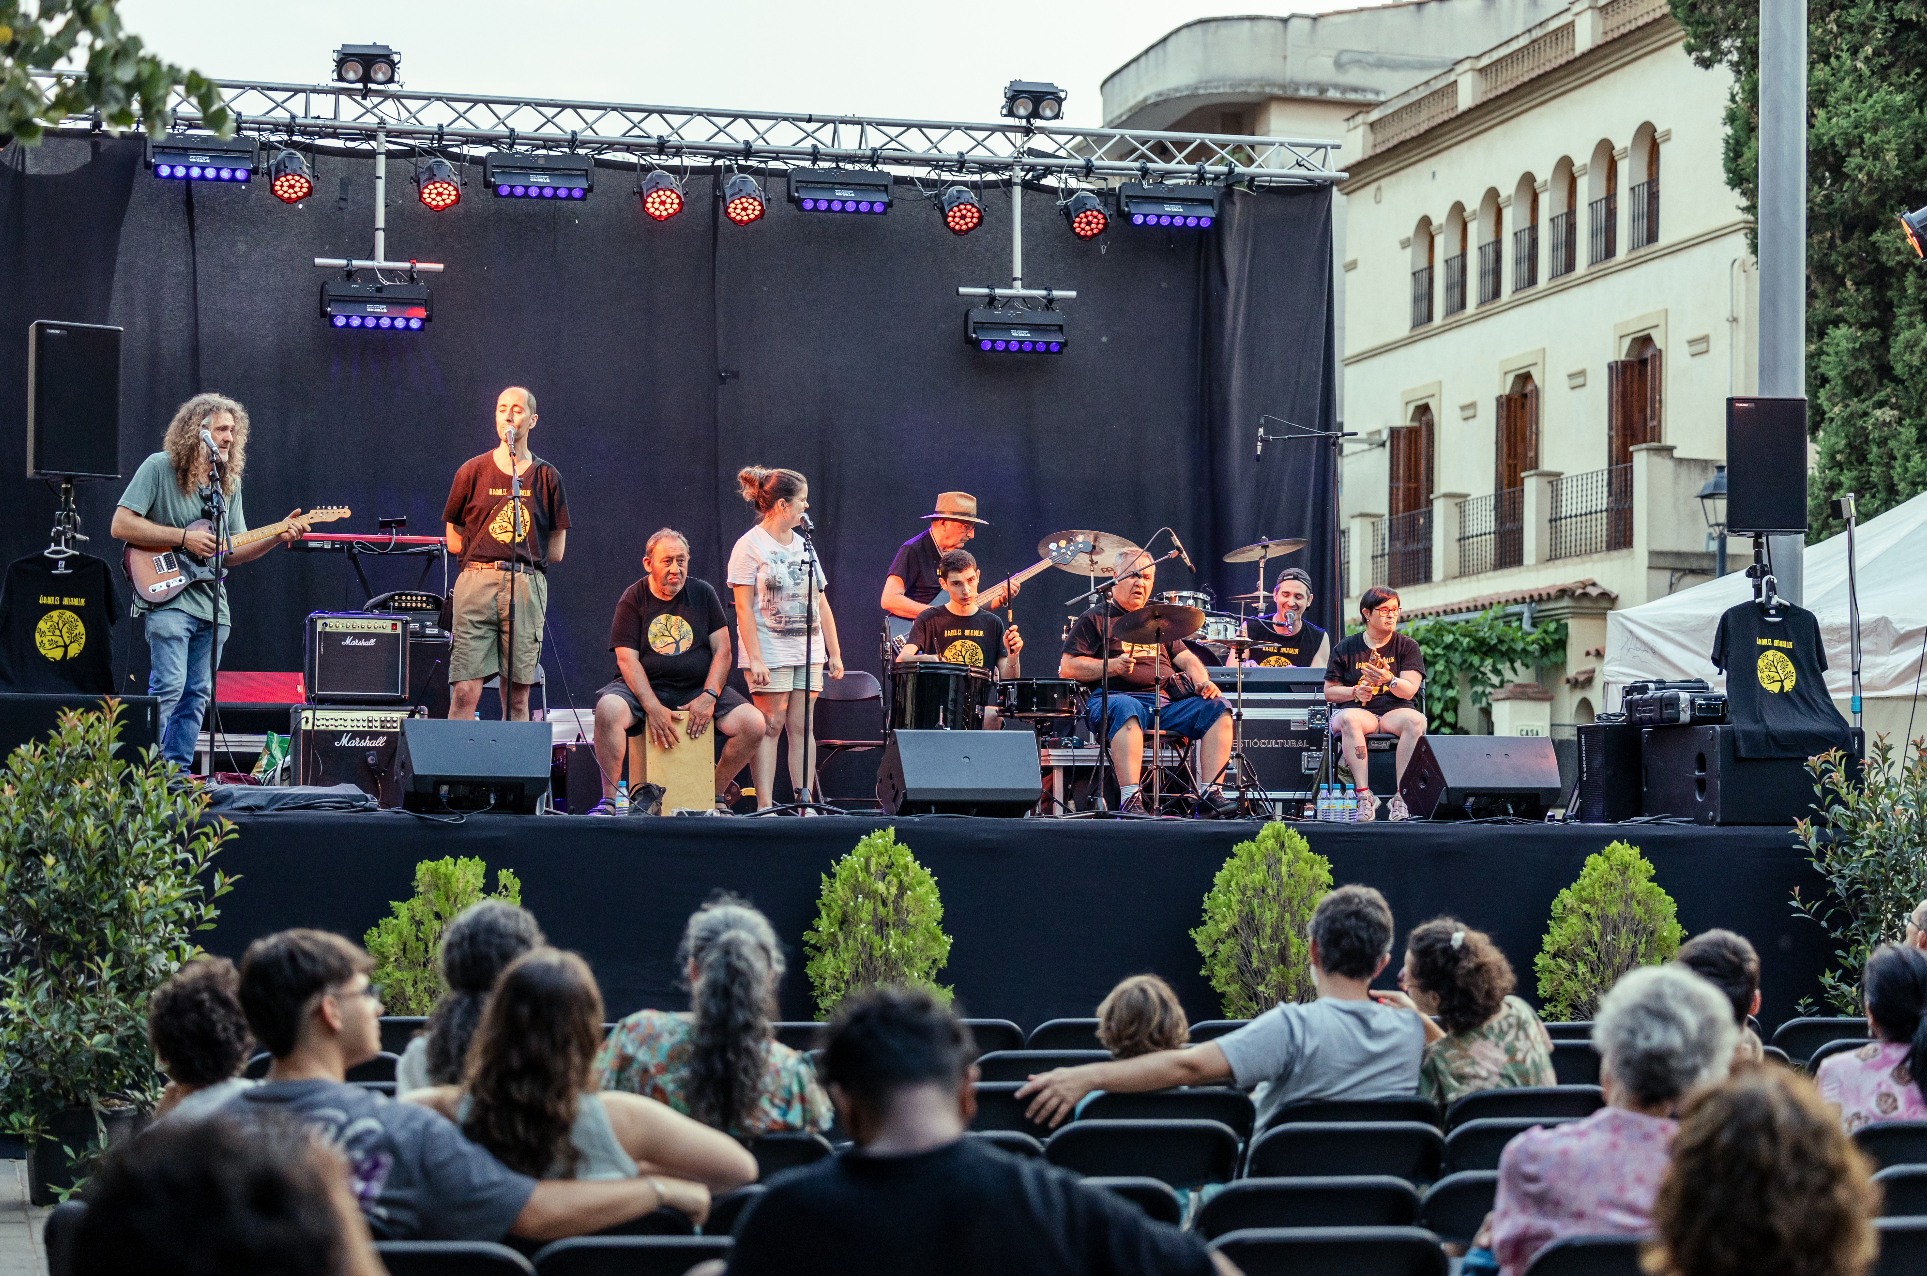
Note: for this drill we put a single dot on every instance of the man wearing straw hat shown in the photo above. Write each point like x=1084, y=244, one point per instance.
x=915, y=579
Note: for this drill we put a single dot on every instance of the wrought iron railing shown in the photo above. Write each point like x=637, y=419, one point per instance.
x=1402, y=549
x=1421, y=297
x=1592, y=513
x=1455, y=284
x=1488, y=271
x=1491, y=532
x=1603, y=230
x=1645, y=214
x=1562, y=248
x=1525, y=257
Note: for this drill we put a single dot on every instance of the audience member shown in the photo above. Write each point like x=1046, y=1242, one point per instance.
x=914, y=1195
x=1913, y=931
x=721, y=1062
x=530, y=1095
x=1139, y=1016
x=1661, y=1033
x=215, y=1198
x=199, y=1037
x=1729, y=963
x=476, y=947
x=1885, y=1080
x=1344, y=1045
x=307, y=998
x=1478, y=1036
x=1764, y=1180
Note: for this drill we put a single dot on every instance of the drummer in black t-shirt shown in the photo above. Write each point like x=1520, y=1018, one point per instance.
x=1371, y=681
x=959, y=632
x=671, y=639
x=1285, y=637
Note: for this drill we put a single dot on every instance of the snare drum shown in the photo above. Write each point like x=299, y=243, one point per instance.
x=1219, y=627
x=1038, y=698
x=930, y=695
x=1185, y=598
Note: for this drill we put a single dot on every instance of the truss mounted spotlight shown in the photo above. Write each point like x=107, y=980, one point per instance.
x=830, y=190
x=743, y=200
x=1010, y=330
x=1915, y=224
x=1033, y=100
x=1159, y=205
x=662, y=196
x=962, y=212
x=440, y=189
x=1085, y=212
x=289, y=178
x=200, y=157
x=366, y=64
x=525, y=175
x=376, y=307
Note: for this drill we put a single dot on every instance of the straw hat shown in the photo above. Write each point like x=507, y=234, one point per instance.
x=958, y=506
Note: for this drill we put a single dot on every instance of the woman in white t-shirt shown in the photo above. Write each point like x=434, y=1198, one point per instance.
x=769, y=572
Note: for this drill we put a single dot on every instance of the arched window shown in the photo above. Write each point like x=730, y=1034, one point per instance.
x=1489, y=247
x=1455, y=238
x=1525, y=233
x=1562, y=248
x=1411, y=462
x=1602, y=222
x=1633, y=402
x=1422, y=250
x=1643, y=198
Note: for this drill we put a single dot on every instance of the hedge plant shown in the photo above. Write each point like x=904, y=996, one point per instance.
x=1613, y=918
x=1256, y=936
x=879, y=921
x=406, y=945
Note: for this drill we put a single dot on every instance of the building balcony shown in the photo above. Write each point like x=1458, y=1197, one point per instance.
x=1525, y=257
x=1562, y=247
x=1421, y=297
x=1645, y=228
x=1454, y=284
x=1488, y=272
x=1603, y=226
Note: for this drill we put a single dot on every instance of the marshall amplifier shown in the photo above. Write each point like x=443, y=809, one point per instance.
x=348, y=746
x=356, y=657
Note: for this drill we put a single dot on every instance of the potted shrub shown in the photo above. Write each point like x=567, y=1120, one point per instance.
x=1256, y=937
x=103, y=884
x=407, y=945
x=879, y=921
x=1613, y=918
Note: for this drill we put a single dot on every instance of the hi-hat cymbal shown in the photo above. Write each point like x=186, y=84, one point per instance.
x=1263, y=549
x=1157, y=622
x=1255, y=596
x=1083, y=553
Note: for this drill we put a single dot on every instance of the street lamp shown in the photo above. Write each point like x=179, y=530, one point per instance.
x=1713, y=506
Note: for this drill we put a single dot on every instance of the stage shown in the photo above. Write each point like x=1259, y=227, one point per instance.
x=1045, y=915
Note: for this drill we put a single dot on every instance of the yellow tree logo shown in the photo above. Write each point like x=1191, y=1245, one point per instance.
x=1776, y=671
x=60, y=635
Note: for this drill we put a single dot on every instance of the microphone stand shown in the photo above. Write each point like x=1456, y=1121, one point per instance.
x=809, y=799
x=515, y=570
x=216, y=477
x=1336, y=440
x=1104, y=759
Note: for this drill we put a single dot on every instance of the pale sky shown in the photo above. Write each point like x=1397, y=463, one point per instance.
x=915, y=61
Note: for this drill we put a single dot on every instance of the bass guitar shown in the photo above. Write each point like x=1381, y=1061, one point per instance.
x=998, y=595
x=159, y=574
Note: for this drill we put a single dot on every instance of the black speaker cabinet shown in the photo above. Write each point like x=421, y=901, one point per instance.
x=451, y=765
x=73, y=400
x=1461, y=776
x=1766, y=466
x=960, y=773
x=26, y=716
x=348, y=745
x=1692, y=772
x=356, y=657
x=1609, y=778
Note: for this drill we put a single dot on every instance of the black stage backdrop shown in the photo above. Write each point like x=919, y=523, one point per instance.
x=666, y=356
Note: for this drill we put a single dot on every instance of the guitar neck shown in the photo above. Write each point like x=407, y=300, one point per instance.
x=998, y=591
x=258, y=534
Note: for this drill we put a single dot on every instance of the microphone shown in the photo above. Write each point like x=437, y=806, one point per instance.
x=212, y=450
x=805, y=523
x=1290, y=617
x=1181, y=554
x=1259, y=455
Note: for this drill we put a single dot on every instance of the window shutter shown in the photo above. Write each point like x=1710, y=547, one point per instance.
x=1619, y=422
x=1529, y=414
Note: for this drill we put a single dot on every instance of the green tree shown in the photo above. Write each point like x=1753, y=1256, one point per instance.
x=407, y=945
x=1866, y=295
x=1613, y=918
x=1256, y=936
x=1485, y=650
x=879, y=921
x=96, y=66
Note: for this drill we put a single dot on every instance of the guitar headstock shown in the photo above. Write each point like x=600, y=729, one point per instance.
x=328, y=514
x=1063, y=553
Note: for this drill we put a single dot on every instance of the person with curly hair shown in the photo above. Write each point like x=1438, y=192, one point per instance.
x=1764, y=1151
x=1478, y=1036
x=199, y=1037
x=1886, y=1079
x=720, y=1062
x=476, y=948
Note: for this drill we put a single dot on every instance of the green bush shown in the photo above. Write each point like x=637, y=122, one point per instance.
x=879, y=921
x=405, y=946
x=1613, y=918
x=1256, y=936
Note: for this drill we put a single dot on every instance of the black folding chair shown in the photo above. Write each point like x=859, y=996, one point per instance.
x=1477, y=1145
x=628, y=1255
x=58, y=1237
x=999, y=1108
x=995, y=1034
x=1212, y=1029
x=398, y=1030
x=1588, y=1256
x=1903, y=1246
x=1845, y=1045
x=1154, y=1196
x=1410, y=1150
x=661, y=1221
x=1407, y=1107
x=1020, y=1065
x=1455, y=1207
x=1575, y=1063
x=1903, y=1190
x=726, y=1210
x=1184, y=1154
x=1010, y=1141
x=848, y=722
x=1198, y=1103
x=1064, y=1034
x=1334, y=1251
x=257, y=1066
x=798, y=1034
x=1801, y=1037
x=1539, y=1101
x=1364, y=1200
x=775, y=1153
x=1773, y=1054
x=1570, y=1030
x=1894, y=1142
x=450, y=1258
x=378, y=1069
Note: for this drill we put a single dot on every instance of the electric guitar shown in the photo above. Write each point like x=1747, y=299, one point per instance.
x=999, y=594
x=159, y=574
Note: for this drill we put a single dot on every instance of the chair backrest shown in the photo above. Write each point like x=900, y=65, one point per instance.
x=379, y=1068
x=1202, y=1103
x=628, y=1255
x=1801, y=1037
x=1063, y=1034
x=1477, y=1145
x=1575, y=1063
x=1455, y=1207
x=1406, y=1107
x=661, y=1221
x=786, y=1151
x=726, y=1210
x=1903, y=1246
x=798, y=1034
x=999, y=1108
x=855, y=684
x=1844, y=1045
x=1588, y=1256
x=1570, y=1030
x=995, y=1034
x=398, y=1030
x=58, y=1238
x=1334, y=1251
x=1777, y=1055
x=1011, y=1141
x=1019, y=1065
x=1410, y=1150
x=1903, y=1190
x=1154, y=1196
x=1363, y=1200
x=257, y=1066
x=1894, y=1142
x=1212, y=1029
x=1546, y=1101
x=1184, y=1154
x=451, y=1258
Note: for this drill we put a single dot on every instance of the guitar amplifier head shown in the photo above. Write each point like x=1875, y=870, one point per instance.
x=356, y=658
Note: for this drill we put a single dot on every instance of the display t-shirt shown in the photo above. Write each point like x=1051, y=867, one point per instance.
x=780, y=597
x=976, y=640
x=478, y=503
x=963, y=1208
x=1087, y=639
x=1776, y=685
x=1272, y=647
x=1325, y=1049
x=154, y=495
x=54, y=627
x=1353, y=655
x=916, y=565
x=672, y=638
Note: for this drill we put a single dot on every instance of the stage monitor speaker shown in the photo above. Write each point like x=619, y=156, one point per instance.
x=1608, y=772
x=355, y=657
x=1692, y=773
x=1472, y=776
x=73, y=400
x=960, y=773
x=351, y=745
x=27, y=716
x=452, y=765
x=1766, y=466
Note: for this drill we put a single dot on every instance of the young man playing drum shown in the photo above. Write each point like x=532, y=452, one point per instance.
x=960, y=633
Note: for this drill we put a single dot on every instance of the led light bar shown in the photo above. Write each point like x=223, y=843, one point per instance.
x=1155, y=205
x=202, y=157
x=528, y=175
x=376, y=307
x=830, y=190
x=1013, y=331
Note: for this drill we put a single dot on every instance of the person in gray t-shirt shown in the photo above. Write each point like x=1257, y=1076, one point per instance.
x=1342, y=1046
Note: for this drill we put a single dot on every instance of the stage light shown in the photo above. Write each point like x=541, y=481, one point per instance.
x=1086, y=215
x=1014, y=331
x=961, y=211
x=661, y=195
x=1176, y=206
x=440, y=189
x=743, y=200
x=1915, y=224
x=526, y=175
x=1033, y=100
x=830, y=190
x=376, y=307
x=197, y=157
x=366, y=64
x=288, y=178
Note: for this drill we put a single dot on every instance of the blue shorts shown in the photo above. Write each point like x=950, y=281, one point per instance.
x=1190, y=717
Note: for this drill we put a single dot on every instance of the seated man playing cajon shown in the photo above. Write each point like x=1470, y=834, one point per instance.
x=1370, y=683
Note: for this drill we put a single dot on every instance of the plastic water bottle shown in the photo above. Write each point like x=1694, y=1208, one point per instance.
x=622, y=794
x=1348, y=806
x=1326, y=804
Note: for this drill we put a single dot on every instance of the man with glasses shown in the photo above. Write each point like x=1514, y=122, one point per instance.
x=1914, y=929
x=1371, y=682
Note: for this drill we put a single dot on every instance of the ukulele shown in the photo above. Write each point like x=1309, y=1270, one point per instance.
x=159, y=574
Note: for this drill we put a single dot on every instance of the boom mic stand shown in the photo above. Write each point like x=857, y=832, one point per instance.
x=809, y=800
x=1336, y=440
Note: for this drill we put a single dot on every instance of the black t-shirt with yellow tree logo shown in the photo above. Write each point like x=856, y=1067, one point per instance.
x=1776, y=685
x=54, y=627
x=976, y=640
x=479, y=504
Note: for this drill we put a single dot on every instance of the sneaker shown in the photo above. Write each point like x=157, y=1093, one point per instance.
x=1218, y=804
x=1133, y=805
x=1367, y=806
x=1395, y=809
x=609, y=806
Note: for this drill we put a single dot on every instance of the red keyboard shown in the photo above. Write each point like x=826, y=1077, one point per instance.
x=373, y=538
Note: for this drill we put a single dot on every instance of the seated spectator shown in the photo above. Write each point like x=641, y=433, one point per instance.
x=721, y=1062
x=914, y=1195
x=1661, y=1033
x=1729, y=963
x=1342, y=1046
x=530, y=1094
x=1765, y=1152
x=1478, y=1036
x=1913, y=932
x=215, y=1198
x=1885, y=1080
x=477, y=946
x=199, y=1037
x=307, y=998
x=1139, y=1016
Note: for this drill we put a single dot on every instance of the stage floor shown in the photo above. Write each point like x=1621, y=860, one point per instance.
x=1045, y=915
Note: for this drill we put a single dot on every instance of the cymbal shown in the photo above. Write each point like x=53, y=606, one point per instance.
x=1263, y=549
x=1083, y=553
x=1157, y=622
x=1254, y=596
